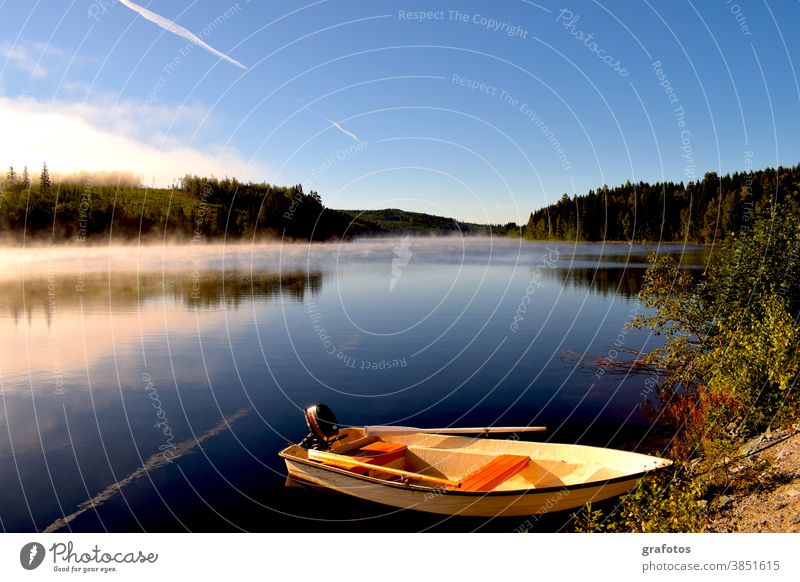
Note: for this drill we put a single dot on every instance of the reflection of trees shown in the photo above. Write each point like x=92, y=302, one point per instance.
x=605, y=281
x=210, y=290
x=204, y=289
x=619, y=274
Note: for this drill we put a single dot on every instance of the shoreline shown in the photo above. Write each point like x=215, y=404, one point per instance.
x=178, y=241
x=773, y=504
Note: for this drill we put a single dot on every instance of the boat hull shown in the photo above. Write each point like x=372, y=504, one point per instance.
x=446, y=502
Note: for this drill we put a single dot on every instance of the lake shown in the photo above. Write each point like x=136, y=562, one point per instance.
x=150, y=388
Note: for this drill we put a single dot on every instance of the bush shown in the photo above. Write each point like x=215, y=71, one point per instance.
x=670, y=501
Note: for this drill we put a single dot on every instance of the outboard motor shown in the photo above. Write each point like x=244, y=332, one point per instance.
x=322, y=426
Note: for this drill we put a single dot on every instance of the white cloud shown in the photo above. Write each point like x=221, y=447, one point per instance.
x=159, y=124
x=106, y=135
x=29, y=56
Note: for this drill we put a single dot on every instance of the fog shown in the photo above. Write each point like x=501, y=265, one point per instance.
x=82, y=259
x=117, y=178
x=277, y=256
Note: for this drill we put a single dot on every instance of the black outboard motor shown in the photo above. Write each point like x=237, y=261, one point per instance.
x=323, y=428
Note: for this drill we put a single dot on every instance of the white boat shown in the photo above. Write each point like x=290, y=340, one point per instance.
x=456, y=475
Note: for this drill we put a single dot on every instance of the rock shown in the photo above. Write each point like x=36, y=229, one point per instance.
x=751, y=445
x=723, y=500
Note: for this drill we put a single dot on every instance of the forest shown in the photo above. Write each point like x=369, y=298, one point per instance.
x=214, y=209
x=702, y=212
x=203, y=208
x=194, y=208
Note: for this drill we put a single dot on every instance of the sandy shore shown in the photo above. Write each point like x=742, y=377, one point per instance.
x=774, y=506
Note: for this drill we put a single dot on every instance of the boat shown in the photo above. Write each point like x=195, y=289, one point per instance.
x=433, y=471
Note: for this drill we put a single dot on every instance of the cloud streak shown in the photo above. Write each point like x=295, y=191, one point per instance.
x=174, y=28
x=349, y=134
x=343, y=130
x=28, y=56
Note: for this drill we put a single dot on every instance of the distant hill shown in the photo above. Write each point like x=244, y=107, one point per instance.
x=393, y=220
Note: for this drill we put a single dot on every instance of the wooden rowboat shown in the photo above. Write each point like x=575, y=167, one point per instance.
x=456, y=475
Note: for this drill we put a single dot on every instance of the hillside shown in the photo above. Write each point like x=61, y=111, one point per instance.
x=393, y=220
x=195, y=209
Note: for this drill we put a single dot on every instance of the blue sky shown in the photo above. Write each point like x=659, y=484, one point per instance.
x=482, y=111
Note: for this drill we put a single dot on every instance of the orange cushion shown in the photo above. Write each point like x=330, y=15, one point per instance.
x=495, y=472
x=377, y=453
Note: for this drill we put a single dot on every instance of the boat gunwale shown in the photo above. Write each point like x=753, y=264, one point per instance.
x=444, y=491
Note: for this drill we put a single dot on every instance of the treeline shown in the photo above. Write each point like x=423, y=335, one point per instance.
x=205, y=208
x=197, y=208
x=210, y=208
x=703, y=211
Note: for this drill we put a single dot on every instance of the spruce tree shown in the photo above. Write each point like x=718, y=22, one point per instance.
x=44, y=180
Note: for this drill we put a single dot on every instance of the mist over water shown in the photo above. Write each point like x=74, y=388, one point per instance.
x=110, y=356
x=83, y=258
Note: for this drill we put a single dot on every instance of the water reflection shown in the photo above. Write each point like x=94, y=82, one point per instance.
x=607, y=281
x=199, y=289
x=90, y=346
x=153, y=463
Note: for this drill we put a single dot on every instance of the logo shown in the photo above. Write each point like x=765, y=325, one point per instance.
x=402, y=254
x=31, y=555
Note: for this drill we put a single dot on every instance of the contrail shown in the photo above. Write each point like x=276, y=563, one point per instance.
x=151, y=464
x=333, y=123
x=170, y=26
x=343, y=130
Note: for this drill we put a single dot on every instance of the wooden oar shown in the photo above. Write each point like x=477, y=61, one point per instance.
x=402, y=430
x=346, y=462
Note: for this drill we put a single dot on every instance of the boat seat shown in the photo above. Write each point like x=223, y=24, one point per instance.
x=377, y=453
x=494, y=473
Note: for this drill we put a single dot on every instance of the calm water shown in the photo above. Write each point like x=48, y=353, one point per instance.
x=151, y=388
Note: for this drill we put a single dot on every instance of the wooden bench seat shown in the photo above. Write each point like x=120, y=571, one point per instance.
x=377, y=453
x=494, y=473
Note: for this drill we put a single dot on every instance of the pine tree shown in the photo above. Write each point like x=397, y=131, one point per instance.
x=44, y=180
x=26, y=178
x=11, y=176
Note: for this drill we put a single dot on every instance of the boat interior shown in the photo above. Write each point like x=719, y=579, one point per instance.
x=473, y=464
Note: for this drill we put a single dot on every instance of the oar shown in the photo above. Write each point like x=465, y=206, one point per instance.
x=346, y=462
x=402, y=430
